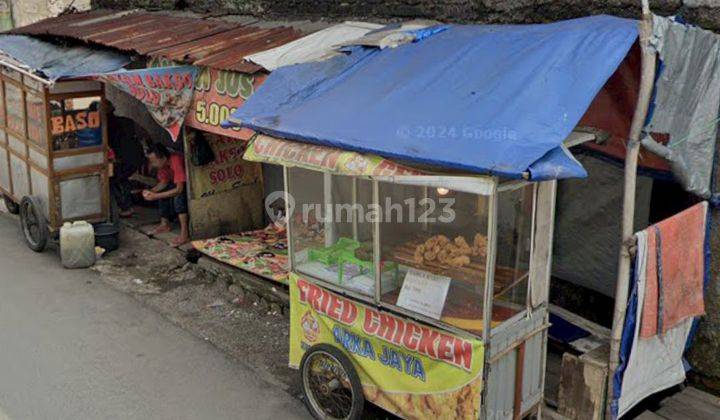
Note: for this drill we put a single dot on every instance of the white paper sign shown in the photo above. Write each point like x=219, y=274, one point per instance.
x=424, y=293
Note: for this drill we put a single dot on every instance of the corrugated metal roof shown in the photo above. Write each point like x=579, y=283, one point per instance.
x=208, y=42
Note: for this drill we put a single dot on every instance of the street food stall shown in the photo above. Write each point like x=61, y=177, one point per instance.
x=420, y=232
x=53, y=136
x=426, y=315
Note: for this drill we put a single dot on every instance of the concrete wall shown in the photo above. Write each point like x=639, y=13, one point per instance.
x=26, y=12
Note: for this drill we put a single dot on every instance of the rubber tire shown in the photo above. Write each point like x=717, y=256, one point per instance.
x=31, y=204
x=357, y=389
x=12, y=207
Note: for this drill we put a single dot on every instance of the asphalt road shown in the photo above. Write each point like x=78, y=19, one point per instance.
x=73, y=348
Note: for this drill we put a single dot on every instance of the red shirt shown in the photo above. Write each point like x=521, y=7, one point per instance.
x=174, y=171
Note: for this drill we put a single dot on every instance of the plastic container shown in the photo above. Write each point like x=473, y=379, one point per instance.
x=77, y=245
x=107, y=236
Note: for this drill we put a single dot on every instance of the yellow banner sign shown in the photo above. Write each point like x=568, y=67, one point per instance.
x=289, y=153
x=408, y=368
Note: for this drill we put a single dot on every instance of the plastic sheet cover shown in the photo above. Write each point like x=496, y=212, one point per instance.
x=314, y=47
x=57, y=62
x=687, y=100
x=648, y=365
x=590, y=209
x=496, y=99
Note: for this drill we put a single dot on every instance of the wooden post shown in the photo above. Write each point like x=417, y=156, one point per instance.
x=519, y=370
x=621, y=291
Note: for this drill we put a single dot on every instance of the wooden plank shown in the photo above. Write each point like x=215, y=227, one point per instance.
x=472, y=273
x=688, y=405
x=582, y=389
x=552, y=378
x=593, y=328
x=649, y=415
x=541, y=259
x=550, y=413
x=519, y=367
x=702, y=396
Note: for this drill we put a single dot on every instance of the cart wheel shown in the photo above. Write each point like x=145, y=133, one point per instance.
x=12, y=206
x=34, y=225
x=330, y=384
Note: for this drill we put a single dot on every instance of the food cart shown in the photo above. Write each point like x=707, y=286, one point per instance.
x=448, y=319
x=53, y=152
x=420, y=291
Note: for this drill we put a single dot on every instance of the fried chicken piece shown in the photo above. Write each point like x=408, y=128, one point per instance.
x=479, y=245
x=443, y=255
x=461, y=243
x=459, y=261
x=430, y=243
x=418, y=256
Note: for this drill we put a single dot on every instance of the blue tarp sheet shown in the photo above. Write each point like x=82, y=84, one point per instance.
x=494, y=99
x=57, y=62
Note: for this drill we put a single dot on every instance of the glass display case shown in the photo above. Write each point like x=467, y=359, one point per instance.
x=440, y=278
x=452, y=251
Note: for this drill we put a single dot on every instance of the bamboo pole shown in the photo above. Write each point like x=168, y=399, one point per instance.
x=647, y=79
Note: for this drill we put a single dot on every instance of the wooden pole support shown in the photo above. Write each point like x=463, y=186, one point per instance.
x=647, y=79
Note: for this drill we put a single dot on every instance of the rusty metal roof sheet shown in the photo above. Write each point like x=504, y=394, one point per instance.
x=205, y=42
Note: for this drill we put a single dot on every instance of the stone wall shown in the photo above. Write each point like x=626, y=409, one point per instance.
x=705, y=13
x=704, y=354
x=26, y=12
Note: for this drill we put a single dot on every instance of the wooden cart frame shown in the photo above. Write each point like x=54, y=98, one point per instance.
x=33, y=174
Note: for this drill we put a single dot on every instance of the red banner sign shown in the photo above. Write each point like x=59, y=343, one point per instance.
x=167, y=92
x=218, y=94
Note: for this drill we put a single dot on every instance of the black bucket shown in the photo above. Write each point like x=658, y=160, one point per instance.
x=107, y=236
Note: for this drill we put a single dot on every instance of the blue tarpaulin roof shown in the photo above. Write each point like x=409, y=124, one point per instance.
x=56, y=62
x=494, y=99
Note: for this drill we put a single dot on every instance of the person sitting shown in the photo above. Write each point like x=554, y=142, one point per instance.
x=169, y=192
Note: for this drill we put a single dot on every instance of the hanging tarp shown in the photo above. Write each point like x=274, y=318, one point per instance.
x=292, y=154
x=396, y=34
x=496, y=99
x=167, y=92
x=649, y=365
x=667, y=294
x=590, y=210
x=687, y=99
x=55, y=62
